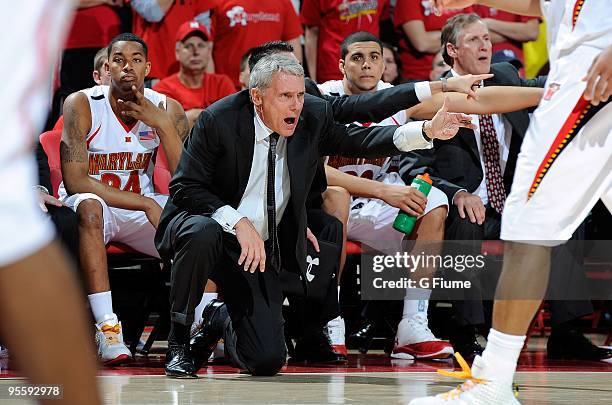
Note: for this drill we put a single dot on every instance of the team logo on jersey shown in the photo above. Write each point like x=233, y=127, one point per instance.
x=552, y=89
x=237, y=15
x=148, y=135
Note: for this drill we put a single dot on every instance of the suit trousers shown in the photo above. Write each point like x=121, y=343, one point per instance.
x=201, y=249
x=305, y=314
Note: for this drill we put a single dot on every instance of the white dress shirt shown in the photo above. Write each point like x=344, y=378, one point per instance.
x=503, y=130
x=253, y=202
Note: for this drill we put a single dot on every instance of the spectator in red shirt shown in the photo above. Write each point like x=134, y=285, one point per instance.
x=156, y=22
x=242, y=24
x=95, y=23
x=419, y=32
x=192, y=86
x=327, y=23
x=509, y=31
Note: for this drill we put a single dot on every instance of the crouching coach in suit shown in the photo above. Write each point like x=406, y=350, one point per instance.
x=237, y=205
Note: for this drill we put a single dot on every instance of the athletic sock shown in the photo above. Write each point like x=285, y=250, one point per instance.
x=206, y=298
x=416, y=301
x=101, y=305
x=502, y=352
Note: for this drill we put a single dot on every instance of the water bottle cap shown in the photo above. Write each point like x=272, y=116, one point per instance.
x=425, y=177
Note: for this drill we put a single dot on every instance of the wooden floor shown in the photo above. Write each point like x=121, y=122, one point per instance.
x=371, y=379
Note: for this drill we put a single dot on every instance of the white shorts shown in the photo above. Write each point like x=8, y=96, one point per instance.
x=126, y=226
x=565, y=163
x=379, y=233
x=24, y=228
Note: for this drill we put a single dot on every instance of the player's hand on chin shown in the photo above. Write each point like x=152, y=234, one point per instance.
x=142, y=109
x=444, y=125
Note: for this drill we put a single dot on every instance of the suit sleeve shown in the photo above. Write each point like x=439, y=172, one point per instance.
x=192, y=187
x=356, y=141
x=373, y=107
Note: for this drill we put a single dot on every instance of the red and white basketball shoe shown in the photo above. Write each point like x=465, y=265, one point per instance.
x=415, y=340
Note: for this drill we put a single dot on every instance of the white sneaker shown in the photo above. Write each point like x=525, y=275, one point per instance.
x=481, y=388
x=335, y=330
x=415, y=340
x=109, y=338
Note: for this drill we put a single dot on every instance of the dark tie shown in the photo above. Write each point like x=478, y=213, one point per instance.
x=493, y=175
x=271, y=205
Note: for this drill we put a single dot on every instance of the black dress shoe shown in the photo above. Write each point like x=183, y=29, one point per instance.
x=362, y=337
x=205, y=338
x=316, y=348
x=464, y=342
x=179, y=362
x=572, y=345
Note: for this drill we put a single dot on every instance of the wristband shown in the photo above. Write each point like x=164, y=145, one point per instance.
x=444, y=81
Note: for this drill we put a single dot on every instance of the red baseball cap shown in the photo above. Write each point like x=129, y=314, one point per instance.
x=191, y=27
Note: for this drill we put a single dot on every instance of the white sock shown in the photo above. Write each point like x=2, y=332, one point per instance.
x=502, y=352
x=416, y=301
x=206, y=298
x=101, y=305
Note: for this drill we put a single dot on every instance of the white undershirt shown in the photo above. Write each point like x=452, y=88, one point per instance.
x=253, y=202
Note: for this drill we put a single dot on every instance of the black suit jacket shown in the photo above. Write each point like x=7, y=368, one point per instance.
x=455, y=164
x=216, y=162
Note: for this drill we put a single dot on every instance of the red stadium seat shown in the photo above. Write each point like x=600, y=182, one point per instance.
x=119, y=255
x=353, y=248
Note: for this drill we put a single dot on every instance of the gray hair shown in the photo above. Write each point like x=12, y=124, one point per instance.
x=452, y=29
x=264, y=70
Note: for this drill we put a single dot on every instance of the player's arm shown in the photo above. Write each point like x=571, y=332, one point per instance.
x=491, y=100
x=523, y=7
x=172, y=139
x=422, y=40
x=405, y=198
x=75, y=160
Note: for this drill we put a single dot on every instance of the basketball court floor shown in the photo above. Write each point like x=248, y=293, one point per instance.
x=372, y=379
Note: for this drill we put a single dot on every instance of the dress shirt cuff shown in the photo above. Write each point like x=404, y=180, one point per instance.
x=422, y=90
x=455, y=195
x=410, y=137
x=227, y=217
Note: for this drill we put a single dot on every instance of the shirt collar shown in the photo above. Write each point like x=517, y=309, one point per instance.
x=261, y=130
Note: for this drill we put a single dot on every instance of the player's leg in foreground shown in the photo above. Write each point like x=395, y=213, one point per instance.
x=43, y=318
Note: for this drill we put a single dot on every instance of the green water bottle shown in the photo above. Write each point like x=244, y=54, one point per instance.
x=405, y=222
